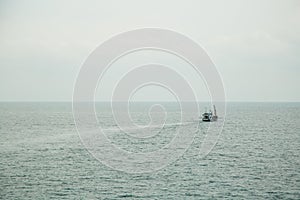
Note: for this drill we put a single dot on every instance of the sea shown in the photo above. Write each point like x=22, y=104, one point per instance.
x=256, y=156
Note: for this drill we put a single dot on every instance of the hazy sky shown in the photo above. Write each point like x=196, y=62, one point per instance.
x=254, y=44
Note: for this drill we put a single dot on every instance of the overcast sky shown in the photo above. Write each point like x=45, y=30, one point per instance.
x=254, y=44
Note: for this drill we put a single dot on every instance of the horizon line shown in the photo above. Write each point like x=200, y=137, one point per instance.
x=230, y=101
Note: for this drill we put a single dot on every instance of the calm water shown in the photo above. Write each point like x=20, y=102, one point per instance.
x=256, y=157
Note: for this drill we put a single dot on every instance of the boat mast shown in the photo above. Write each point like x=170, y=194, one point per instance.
x=215, y=111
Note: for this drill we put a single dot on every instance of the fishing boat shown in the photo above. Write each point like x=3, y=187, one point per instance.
x=210, y=116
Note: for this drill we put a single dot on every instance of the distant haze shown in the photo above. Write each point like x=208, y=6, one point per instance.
x=254, y=44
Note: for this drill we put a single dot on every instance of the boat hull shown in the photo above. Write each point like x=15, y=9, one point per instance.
x=212, y=119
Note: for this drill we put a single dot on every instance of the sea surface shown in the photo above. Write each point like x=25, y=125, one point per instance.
x=257, y=156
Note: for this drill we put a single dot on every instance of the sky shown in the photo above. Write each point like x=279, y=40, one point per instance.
x=255, y=45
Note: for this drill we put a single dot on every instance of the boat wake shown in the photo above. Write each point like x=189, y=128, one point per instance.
x=161, y=126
